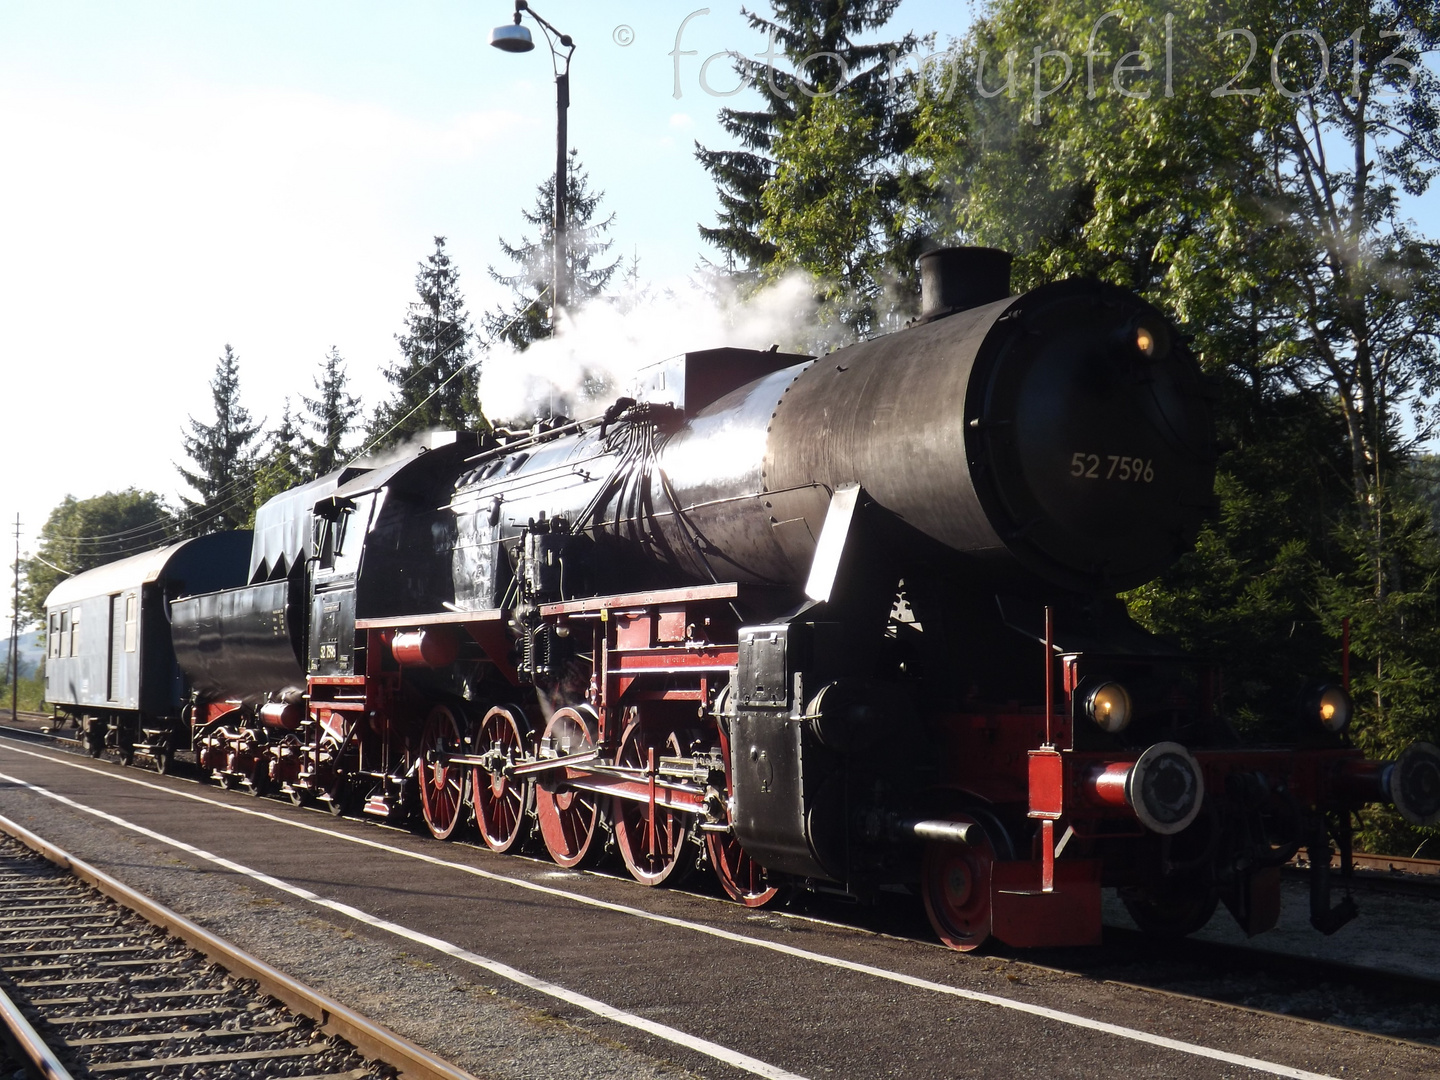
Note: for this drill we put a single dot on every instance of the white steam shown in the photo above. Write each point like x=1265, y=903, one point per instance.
x=598, y=351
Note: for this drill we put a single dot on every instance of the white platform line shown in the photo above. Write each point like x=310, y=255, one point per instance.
x=1074, y=1020
x=680, y=1038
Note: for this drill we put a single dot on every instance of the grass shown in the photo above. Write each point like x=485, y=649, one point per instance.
x=31, y=696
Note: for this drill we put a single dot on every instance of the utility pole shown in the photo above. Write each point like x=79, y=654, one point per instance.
x=15, y=634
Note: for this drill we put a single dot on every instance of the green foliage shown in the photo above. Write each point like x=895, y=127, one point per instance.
x=329, y=416
x=820, y=180
x=31, y=695
x=1247, y=595
x=528, y=319
x=81, y=534
x=435, y=378
x=1395, y=637
x=223, y=458
x=824, y=210
x=1267, y=224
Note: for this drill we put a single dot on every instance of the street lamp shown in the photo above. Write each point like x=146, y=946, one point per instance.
x=512, y=37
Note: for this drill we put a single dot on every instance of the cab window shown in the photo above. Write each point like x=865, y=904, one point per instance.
x=340, y=536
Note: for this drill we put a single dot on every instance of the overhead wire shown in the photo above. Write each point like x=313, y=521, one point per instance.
x=230, y=495
x=425, y=400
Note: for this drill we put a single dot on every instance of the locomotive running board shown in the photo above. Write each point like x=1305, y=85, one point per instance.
x=486, y=628
x=438, y=618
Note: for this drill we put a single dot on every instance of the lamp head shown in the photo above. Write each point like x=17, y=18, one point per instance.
x=512, y=38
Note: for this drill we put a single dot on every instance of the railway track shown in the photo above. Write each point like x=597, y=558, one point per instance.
x=803, y=952
x=99, y=981
x=1334, y=993
x=1370, y=870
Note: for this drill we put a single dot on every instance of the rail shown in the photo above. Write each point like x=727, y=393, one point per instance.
x=332, y=1018
x=27, y=1045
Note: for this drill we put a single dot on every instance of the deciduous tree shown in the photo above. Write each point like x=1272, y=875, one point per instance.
x=1261, y=205
x=81, y=534
x=820, y=178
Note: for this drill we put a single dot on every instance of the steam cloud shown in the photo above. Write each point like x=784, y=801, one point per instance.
x=598, y=351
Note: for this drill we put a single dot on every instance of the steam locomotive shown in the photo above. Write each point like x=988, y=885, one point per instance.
x=845, y=623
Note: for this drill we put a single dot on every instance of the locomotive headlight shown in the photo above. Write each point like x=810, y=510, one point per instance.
x=1145, y=342
x=1108, y=705
x=1332, y=706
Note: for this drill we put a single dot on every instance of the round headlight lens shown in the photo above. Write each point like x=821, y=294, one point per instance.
x=1108, y=705
x=1333, y=708
x=1145, y=342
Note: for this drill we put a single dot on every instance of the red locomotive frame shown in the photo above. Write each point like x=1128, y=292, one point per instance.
x=643, y=756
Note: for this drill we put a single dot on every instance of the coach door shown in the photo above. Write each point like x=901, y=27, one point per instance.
x=115, y=668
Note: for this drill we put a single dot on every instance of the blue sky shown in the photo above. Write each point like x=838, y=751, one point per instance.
x=182, y=174
x=176, y=175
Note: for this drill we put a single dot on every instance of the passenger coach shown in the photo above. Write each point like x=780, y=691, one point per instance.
x=111, y=664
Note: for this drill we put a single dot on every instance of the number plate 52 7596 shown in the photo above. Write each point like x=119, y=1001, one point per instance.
x=1111, y=467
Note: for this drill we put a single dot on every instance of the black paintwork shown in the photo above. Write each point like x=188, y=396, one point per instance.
x=243, y=642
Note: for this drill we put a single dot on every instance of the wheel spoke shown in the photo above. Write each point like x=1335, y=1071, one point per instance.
x=742, y=878
x=569, y=819
x=655, y=849
x=501, y=801
x=442, y=790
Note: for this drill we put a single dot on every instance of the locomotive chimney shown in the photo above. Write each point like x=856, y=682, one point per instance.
x=955, y=278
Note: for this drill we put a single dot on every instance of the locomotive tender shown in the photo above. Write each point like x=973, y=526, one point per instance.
x=847, y=623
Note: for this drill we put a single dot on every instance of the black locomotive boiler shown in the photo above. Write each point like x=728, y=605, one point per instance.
x=845, y=623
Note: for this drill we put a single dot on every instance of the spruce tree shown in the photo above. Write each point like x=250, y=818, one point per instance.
x=862, y=96
x=435, y=377
x=330, y=416
x=529, y=317
x=283, y=463
x=223, y=473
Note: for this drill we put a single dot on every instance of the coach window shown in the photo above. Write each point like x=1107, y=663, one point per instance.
x=132, y=611
x=62, y=643
x=54, y=633
x=75, y=631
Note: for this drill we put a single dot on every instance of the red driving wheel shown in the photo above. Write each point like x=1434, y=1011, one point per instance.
x=742, y=878
x=658, y=851
x=955, y=881
x=442, y=785
x=569, y=819
x=501, y=801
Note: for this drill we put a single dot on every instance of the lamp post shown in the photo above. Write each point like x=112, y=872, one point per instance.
x=515, y=38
